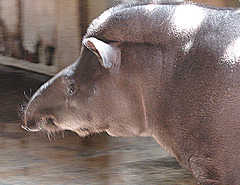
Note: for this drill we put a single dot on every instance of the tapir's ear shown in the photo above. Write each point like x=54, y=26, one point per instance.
x=109, y=54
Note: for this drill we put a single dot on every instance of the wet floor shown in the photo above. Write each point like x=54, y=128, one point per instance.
x=33, y=158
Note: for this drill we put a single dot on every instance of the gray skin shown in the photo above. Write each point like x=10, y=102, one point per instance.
x=167, y=71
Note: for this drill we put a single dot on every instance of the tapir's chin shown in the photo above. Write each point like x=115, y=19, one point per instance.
x=83, y=132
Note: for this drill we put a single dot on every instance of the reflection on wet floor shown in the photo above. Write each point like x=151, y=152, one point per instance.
x=33, y=158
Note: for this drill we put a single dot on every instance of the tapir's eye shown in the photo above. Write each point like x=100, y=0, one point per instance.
x=72, y=89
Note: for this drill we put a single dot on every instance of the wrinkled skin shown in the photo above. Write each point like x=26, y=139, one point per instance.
x=181, y=89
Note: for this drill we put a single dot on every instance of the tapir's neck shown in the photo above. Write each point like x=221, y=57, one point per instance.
x=151, y=69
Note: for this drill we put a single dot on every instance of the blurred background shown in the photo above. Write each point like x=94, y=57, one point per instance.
x=37, y=39
x=49, y=32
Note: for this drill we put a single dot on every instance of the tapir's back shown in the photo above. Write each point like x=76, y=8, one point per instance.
x=151, y=23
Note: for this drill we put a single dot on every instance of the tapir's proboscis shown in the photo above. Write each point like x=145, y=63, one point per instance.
x=169, y=71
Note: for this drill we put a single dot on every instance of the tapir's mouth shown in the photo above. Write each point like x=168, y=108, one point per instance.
x=48, y=123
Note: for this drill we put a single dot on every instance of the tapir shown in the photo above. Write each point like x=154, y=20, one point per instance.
x=168, y=71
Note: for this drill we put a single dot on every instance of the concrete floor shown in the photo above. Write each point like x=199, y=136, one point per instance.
x=33, y=158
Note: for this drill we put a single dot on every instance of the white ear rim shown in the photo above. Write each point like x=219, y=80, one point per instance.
x=101, y=49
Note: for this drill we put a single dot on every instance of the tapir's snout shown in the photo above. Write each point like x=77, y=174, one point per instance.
x=31, y=126
x=47, y=122
x=37, y=123
x=29, y=123
x=37, y=114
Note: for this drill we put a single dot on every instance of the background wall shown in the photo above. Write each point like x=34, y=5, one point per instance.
x=46, y=33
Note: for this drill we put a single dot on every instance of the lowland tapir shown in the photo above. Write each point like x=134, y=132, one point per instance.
x=169, y=71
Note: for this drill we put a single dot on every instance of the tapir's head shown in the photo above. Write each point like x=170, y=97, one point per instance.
x=89, y=96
